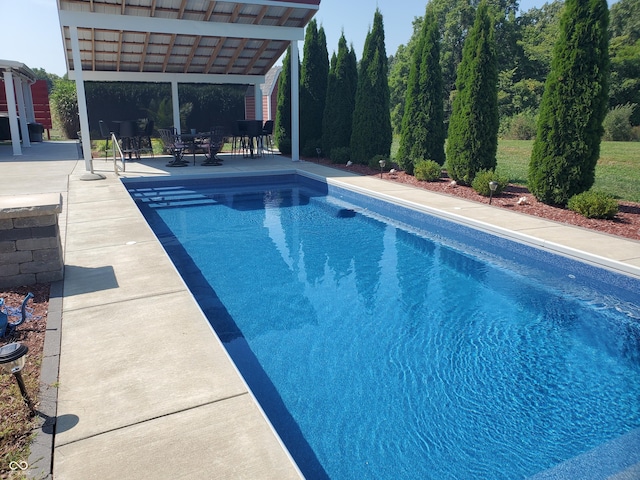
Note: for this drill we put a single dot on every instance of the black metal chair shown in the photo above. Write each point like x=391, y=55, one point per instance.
x=129, y=139
x=146, y=137
x=212, y=146
x=174, y=146
x=267, y=136
x=240, y=136
x=254, y=137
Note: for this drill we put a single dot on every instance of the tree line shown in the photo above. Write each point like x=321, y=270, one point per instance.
x=470, y=72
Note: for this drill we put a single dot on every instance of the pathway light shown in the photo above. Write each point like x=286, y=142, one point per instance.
x=382, y=164
x=493, y=186
x=12, y=360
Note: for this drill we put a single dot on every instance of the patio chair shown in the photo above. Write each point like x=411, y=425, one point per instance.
x=212, y=146
x=267, y=136
x=174, y=146
x=129, y=139
x=254, y=136
x=239, y=143
x=146, y=136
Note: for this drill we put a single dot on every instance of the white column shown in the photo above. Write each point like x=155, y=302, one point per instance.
x=175, y=102
x=22, y=112
x=82, y=99
x=28, y=102
x=13, y=115
x=295, y=104
x=257, y=94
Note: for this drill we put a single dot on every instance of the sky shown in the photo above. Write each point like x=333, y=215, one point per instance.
x=30, y=31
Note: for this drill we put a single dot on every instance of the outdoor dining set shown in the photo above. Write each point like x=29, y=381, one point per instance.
x=251, y=138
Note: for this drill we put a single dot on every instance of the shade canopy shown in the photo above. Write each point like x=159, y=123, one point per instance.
x=181, y=41
x=193, y=38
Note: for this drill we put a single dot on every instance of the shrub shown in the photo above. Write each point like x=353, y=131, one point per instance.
x=520, y=127
x=65, y=107
x=481, y=182
x=617, y=123
x=593, y=204
x=427, y=170
x=309, y=148
x=340, y=155
x=284, y=145
x=375, y=162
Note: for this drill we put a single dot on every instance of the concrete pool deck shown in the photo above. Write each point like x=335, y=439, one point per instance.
x=145, y=388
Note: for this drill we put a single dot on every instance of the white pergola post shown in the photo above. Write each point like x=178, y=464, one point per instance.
x=13, y=115
x=82, y=107
x=257, y=94
x=175, y=102
x=22, y=112
x=28, y=102
x=295, y=105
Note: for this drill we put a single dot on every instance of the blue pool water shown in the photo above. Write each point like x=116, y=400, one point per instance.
x=404, y=348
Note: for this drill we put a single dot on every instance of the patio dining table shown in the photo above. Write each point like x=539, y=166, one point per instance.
x=194, y=141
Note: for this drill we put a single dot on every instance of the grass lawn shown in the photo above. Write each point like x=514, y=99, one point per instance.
x=617, y=172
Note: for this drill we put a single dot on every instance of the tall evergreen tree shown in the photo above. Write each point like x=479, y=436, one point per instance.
x=341, y=91
x=282, y=127
x=574, y=104
x=371, y=132
x=473, y=128
x=423, y=131
x=330, y=106
x=313, y=87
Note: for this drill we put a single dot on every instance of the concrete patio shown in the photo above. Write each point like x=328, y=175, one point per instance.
x=146, y=389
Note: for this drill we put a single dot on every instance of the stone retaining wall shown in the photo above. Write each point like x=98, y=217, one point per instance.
x=30, y=244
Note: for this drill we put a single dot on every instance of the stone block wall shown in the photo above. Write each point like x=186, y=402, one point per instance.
x=30, y=244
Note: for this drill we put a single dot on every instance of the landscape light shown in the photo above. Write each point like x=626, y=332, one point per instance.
x=493, y=186
x=12, y=360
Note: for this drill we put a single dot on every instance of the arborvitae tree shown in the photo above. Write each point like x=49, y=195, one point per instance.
x=473, y=128
x=341, y=90
x=371, y=133
x=313, y=86
x=330, y=107
x=282, y=128
x=423, y=131
x=574, y=104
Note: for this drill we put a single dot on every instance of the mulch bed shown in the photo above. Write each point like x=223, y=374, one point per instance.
x=16, y=423
x=625, y=224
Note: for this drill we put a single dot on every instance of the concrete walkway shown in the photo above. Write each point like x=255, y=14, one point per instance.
x=146, y=389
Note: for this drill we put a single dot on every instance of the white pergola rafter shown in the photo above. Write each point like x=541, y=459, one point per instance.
x=136, y=23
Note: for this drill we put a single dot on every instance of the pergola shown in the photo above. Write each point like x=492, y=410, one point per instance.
x=181, y=41
x=18, y=79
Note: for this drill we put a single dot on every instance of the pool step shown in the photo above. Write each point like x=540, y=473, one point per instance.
x=618, y=459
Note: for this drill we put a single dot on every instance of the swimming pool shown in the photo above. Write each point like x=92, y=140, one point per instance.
x=382, y=342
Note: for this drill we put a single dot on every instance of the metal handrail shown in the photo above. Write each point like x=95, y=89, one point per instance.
x=116, y=145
